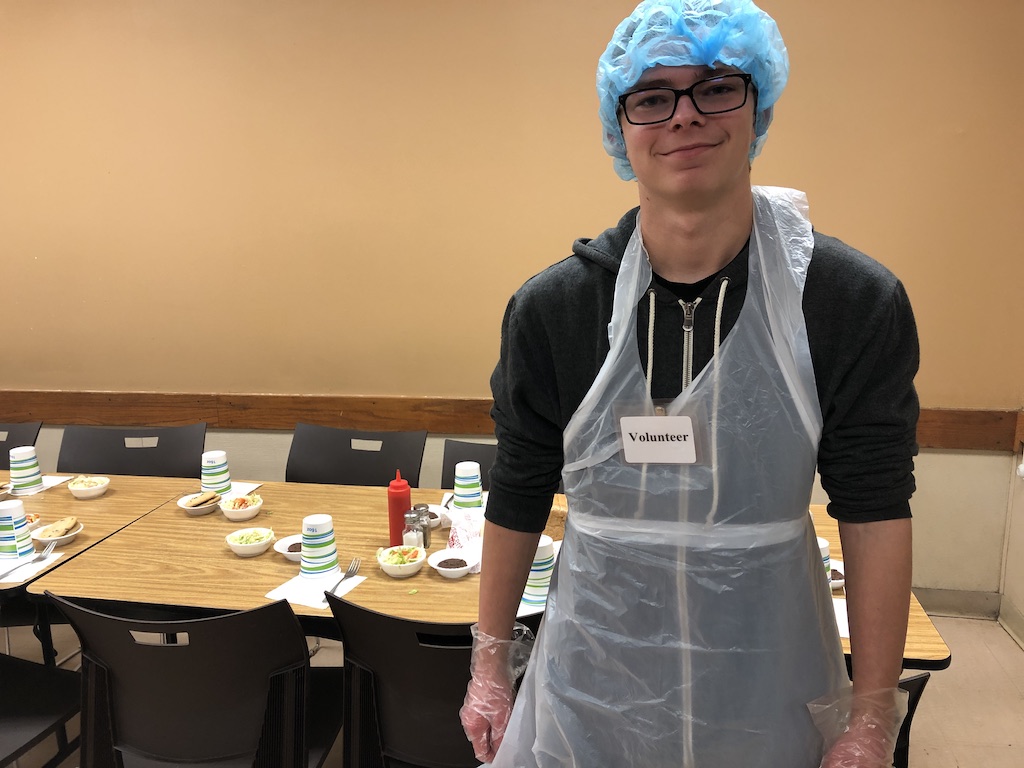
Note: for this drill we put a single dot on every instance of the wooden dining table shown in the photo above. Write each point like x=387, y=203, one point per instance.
x=167, y=558
x=127, y=499
x=170, y=558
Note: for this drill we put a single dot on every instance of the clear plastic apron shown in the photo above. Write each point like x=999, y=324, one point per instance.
x=689, y=621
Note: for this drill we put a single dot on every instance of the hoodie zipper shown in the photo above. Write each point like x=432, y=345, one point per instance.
x=689, y=308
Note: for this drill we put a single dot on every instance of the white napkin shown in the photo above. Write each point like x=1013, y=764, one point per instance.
x=48, y=482
x=303, y=590
x=466, y=532
x=240, y=489
x=28, y=570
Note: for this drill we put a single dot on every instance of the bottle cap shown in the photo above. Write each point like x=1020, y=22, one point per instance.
x=412, y=517
x=398, y=483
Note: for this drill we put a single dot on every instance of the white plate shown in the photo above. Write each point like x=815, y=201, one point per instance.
x=281, y=545
x=205, y=509
x=61, y=540
x=838, y=566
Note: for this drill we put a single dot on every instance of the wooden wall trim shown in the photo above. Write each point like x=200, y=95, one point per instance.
x=972, y=430
x=469, y=416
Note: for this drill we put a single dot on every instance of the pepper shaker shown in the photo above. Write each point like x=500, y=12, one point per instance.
x=423, y=510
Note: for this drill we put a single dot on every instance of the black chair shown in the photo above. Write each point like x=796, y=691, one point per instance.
x=321, y=454
x=14, y=436
x=155, y=451
x=228, y=690
x=405, y=682
x=460, y=450
x=36, y=701
x=914, y=686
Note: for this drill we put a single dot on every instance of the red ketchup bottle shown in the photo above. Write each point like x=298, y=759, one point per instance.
x=399, y=502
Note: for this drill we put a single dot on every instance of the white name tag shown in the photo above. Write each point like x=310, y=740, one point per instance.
x=658, y=439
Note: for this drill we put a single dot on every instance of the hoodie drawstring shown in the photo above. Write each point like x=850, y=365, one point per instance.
x=714, y=408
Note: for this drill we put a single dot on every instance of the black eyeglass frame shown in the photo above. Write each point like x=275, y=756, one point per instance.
x=748, y=81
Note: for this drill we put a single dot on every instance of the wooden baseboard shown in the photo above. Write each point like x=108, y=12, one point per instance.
x=942, y=428
x=960, y=603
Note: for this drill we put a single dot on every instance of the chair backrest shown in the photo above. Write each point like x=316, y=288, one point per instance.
x=461, y=450
x=223, y=690
x=321, y=454
x=158, y=451
x=914, y=686
x=419, y=675
x=14, y=436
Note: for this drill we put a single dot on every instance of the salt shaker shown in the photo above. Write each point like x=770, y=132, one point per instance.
x=412, y=534
x=423, y=510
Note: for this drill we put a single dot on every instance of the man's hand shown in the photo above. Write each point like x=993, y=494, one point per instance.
x=488, y=705
x=862, y=746
x=495, y=666
x=870, y=736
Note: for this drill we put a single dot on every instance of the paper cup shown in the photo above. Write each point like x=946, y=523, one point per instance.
x=15, y=538
x=468, y=488
x=825, y=559
x=214, y=473
x=25, y=474
x=319, y=549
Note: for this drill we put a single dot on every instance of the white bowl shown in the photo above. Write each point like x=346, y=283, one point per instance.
x=202, y=509
x=91, y=491
x=401, y=571
x=250, y=550
x=470, y=559
x=67, y=538
x=281, y=545
x=5, y=491
x=837, y=567
x=436, y=511
x=240, y=515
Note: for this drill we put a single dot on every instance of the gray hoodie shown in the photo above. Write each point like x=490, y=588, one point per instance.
x=864, y=350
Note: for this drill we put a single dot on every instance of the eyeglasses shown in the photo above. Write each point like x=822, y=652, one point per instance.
x=712, y=96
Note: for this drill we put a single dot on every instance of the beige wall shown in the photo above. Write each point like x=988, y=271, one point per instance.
x=224, y=182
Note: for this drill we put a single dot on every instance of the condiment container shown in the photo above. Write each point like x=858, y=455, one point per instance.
x=399, y=502
x=423, y=510
x=412, y=534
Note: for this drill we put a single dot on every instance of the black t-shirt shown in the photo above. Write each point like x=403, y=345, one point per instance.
x=687, y=292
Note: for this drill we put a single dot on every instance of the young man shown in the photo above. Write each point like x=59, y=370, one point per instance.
x=686, y=372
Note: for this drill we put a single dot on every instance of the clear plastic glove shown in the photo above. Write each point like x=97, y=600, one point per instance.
x=495, y=667
x=860, y=730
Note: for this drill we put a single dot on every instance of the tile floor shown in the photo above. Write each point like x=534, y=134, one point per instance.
x=971, y=715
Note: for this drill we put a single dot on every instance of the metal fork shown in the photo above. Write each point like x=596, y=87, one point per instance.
x=37, y=556
x=353, y=567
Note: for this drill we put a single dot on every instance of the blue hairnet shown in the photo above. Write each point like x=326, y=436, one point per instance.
x=694, y=33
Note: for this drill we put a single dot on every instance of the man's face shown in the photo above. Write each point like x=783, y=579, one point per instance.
x=691, y=158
